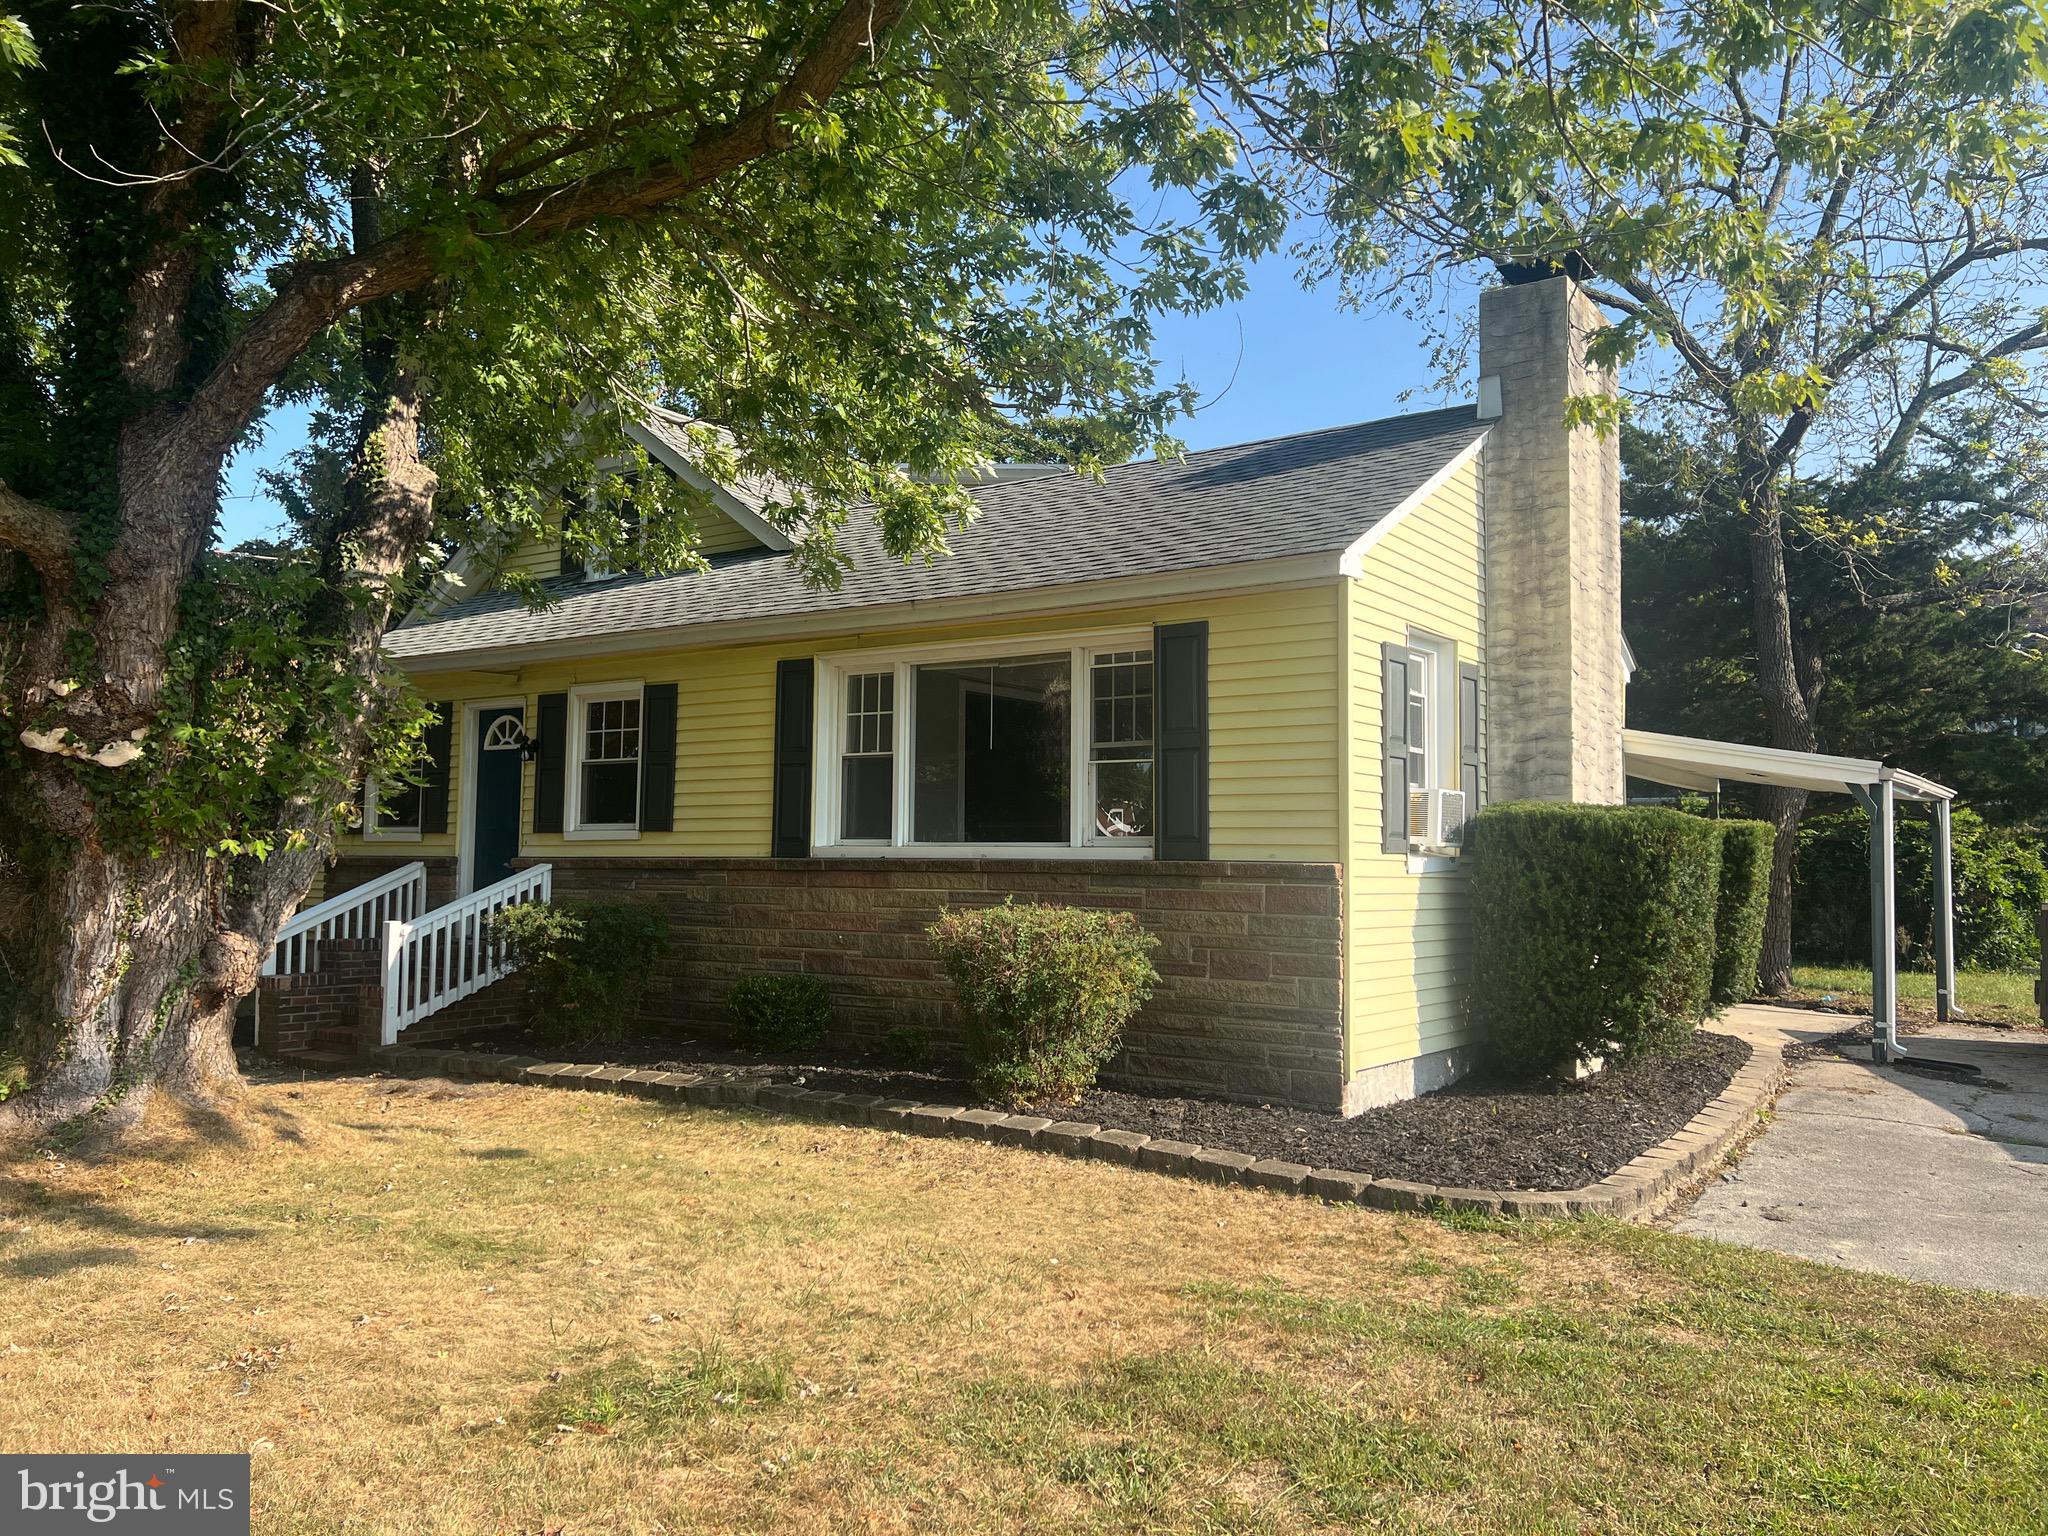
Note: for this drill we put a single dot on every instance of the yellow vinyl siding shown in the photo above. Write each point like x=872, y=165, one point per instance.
x=541, y=558
x=1410, y=934
x=1273, y=688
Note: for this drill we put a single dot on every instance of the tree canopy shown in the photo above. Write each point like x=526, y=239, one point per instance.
x=1924, y=639
x=861, y=248
x=1820, y=231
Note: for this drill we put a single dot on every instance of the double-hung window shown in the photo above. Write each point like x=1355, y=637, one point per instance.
x=1120, y=745
x=1431, y=729
x=956, y=750
x=604, y=761
x=867, y=760
x=391, y=811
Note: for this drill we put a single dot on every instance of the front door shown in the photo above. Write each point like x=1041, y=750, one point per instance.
x=494, y=810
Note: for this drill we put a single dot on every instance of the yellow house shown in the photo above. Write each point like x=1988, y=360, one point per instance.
x=1254, y=696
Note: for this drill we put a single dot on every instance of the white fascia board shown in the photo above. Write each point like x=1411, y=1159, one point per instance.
x=835, y=623
x=1918, y=787
x=721, y=498
x=1652, y=755
x=1353, y=563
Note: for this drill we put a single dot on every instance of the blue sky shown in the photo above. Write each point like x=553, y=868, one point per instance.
x=1280, y=360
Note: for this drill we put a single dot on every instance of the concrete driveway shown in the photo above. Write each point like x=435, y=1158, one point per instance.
x=1880, y=1168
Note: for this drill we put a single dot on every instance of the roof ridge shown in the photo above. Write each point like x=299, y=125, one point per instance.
x=1471, y=406
x=1348, y=426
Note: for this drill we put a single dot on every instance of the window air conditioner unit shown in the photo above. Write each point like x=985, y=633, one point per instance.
x=1447, y=818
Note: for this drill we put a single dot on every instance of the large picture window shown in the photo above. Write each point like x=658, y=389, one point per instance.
x=954, y=750
x=991, y=749
x=606, y=767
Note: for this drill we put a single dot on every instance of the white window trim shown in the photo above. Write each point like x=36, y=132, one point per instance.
x=572, y=822
x=1442, y=746
x=595, y=566
x=372, y=833
x=828, y=732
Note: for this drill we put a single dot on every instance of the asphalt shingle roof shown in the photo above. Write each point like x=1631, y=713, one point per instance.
x=1311, y=493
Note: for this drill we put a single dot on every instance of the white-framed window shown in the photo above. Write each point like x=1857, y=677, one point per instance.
x=625, y=513
x=604, y=761
x=1432, y=729
x=391, y=813
x=867, y=758
x=1031, y=746
x=1120, y=746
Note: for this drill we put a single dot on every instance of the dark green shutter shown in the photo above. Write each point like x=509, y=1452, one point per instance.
x=1180, y=750
x=658, y=757
x=790, y=831
x=434, y=774
x=1395, y=661
x=551, y=764
x=1469, y=728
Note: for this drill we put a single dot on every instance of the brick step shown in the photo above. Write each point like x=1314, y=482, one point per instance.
x=343, y=1040
x=320, y=1061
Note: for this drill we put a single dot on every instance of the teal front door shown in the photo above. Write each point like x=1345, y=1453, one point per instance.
x=494, y=828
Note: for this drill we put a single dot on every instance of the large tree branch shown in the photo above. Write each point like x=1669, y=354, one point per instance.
x=41, y=533
x=1887, y=326
x=318, y=294
x=2029, y=338
x=204, y=38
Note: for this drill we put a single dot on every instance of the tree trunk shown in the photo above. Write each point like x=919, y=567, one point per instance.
x=137, y=961
x=1787, y=709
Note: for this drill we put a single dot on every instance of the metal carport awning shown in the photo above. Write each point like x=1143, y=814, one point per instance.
x=1689, y=762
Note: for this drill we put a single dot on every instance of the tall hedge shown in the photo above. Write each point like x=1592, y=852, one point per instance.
x=1595, y=930
x=1739, y=919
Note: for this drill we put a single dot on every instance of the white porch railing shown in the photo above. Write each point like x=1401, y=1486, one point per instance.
x=443, y=956
x=359, y=913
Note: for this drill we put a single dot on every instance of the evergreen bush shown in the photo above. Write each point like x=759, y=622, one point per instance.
x=1594, y=930
x=1739, y=918
x=586, y=964
x=779, y=1012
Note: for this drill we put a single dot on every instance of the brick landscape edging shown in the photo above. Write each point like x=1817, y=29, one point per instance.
x=1636, y=1191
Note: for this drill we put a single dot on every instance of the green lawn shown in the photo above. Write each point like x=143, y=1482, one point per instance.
x=2005, y=997
x=497, y=1309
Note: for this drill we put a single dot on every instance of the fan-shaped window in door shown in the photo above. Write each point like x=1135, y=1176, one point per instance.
x=504, y=735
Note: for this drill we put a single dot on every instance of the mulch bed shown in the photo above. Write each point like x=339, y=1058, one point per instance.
x=1480, y=1133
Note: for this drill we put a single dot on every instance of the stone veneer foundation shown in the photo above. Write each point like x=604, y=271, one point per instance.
x=1250, y=956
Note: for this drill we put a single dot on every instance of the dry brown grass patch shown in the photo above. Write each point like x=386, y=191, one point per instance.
x=396, y=1292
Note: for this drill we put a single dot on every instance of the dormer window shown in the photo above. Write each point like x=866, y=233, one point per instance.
x=618, y=518
x=626, y=513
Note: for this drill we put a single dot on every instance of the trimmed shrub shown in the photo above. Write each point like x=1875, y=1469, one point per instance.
x=1045, y=992
x=586, y=964
x=908, y=1046
x=1595, y=930
x=2000, y=883
x=1739, y=918
x=778, y=1013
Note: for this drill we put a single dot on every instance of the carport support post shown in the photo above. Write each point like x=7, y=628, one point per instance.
x=1944, y=917
x=1884, y=927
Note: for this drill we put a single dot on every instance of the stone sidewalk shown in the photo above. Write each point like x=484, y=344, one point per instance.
x=1905, y=1173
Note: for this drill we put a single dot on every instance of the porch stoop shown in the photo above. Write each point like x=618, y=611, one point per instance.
x=330, y=1018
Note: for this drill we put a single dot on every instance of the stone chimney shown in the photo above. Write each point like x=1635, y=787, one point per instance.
x=1553, y=552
